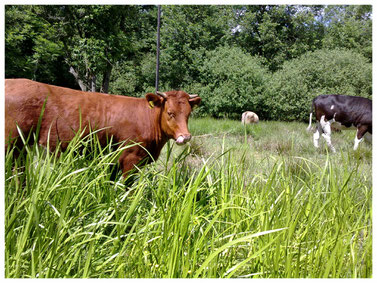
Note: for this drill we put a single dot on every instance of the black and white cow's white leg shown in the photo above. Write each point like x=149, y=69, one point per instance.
x=317, y=134
x=326, y=126
x=360, y=136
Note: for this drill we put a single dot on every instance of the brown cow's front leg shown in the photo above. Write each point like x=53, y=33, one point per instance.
x=130, y=158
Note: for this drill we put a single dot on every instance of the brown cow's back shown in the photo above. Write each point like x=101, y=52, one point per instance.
x=68, y=111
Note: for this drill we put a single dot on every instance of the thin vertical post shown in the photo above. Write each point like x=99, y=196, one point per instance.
x=158, y=46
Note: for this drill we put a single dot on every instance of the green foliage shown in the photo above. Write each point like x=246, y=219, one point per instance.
x=94, y=37
x=124, y=79
x=31, y=48
x=48, y=42
x=278, y=32
x=187, y=32
x=338, y=71
x=227, y=54
x=135, y=77
x=232, y=82
x=350, y=27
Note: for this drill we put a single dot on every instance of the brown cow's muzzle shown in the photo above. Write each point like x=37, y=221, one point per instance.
x=182, y=139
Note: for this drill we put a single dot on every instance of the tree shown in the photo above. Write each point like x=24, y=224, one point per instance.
x=31, y=50
x=349, y=27
x=278, y=32
x=94, y=37
x=187, y=32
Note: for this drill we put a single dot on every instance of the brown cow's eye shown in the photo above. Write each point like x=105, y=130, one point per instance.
x=171, y=114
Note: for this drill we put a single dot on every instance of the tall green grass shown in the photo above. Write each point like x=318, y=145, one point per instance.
x=225, y=206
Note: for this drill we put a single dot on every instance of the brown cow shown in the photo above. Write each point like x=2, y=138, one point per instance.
x=150, y=121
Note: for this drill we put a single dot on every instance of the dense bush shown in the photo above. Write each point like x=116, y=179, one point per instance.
x=232, y=82
x=124, y=79
x=292, y=88
x=134, y=77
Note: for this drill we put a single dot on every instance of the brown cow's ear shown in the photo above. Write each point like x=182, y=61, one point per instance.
x=153, y=99
x=195, y=101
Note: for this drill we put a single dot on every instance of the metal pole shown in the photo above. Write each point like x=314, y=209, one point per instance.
x=158, y=46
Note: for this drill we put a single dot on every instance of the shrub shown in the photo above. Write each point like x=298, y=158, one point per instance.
x=124, y=80
x=232, y=82
x=134, y=77
x=336, y=71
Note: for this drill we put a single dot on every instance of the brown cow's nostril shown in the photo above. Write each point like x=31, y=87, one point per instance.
x=182, y=139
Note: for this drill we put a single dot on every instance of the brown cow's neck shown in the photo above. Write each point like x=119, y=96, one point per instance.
x=158, y=136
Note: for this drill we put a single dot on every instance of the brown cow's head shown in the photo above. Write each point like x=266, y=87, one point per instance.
x=176, y=107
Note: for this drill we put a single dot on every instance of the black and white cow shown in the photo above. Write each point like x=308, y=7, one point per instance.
x=344, y=112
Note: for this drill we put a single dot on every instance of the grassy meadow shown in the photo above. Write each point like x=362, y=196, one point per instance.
x=237, y=202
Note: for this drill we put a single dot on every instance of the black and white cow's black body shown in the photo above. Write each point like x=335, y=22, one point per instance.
x=341, y=111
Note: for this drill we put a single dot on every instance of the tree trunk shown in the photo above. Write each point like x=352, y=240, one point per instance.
x=106, y=78
x=93, y=83
x=78, y=80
